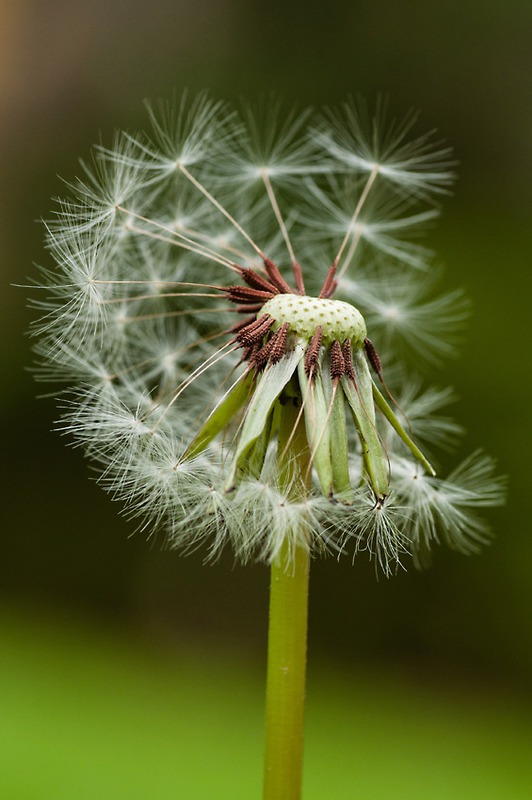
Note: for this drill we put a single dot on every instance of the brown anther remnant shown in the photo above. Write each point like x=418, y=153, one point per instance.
x=313, y=352
x=255, y=331
x=329, y=284
x=373, y=357
x=278, y=341
x=247, y=295
x=337, y=361
x=256, y=281
x=261, y=357
x=249, y=353
x=276, y=277
x=348, y=360
x=273, y=350
x=298, y=275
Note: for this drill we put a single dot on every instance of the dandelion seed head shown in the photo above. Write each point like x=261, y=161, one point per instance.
x=232, y=300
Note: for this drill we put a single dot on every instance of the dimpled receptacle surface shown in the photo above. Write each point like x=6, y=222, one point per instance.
x=304, y=314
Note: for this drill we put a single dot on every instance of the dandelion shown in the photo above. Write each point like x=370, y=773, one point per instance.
x=215, y=287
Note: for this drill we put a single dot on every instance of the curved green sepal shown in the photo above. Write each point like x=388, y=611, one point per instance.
x=271, y=384
x=360, y=399
x=340, y=450
x=398, y=428
x=317, y=427
x=222, y=414
x=255, y=460
x=338, y=439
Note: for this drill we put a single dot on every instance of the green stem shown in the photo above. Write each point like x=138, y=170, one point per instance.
x=287, y=637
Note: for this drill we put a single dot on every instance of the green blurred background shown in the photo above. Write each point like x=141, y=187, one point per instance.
x=129, y=672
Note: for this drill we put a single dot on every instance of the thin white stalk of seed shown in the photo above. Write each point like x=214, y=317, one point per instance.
x=362, y=199
x=206, y=365
x=184, y=246
x=350, y=253
x=220, y=208
x=202, y=250
x=234, y=437
x=157, y=296
x=174, y=353
x=277, y=211
x=213, y=241
x=169, y=314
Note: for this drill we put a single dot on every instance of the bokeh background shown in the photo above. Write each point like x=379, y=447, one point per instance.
x=127, y=672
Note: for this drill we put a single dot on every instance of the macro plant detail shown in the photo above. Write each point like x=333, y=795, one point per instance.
x=319, y=342
x=214, y=290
